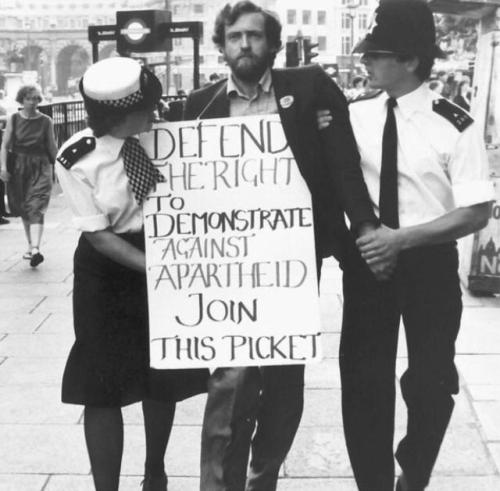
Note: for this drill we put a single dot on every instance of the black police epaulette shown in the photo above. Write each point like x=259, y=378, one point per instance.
x=74, y=152
x=457, y=116
x=366, y=96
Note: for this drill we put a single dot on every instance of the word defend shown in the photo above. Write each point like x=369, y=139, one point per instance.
x=230, y=256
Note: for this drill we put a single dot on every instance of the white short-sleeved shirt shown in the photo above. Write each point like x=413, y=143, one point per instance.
x=439, y=167
x=97, y=188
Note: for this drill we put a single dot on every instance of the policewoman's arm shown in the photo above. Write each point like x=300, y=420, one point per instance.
x=80, y=191
x=113, y=246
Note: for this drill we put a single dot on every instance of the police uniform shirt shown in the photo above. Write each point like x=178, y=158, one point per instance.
x=97, y=188
x=441, y=165
x=264, y=101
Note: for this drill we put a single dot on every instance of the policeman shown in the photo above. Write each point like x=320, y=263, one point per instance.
x=426, y=170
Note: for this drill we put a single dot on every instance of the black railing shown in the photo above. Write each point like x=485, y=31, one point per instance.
x=71, y=117
x=68, y=117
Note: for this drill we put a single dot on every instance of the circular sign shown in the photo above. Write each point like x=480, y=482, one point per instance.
x=135, y=31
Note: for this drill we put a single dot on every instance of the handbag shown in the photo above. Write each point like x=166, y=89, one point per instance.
x=11, y=156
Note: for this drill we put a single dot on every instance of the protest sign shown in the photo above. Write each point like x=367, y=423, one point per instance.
x=230, y=247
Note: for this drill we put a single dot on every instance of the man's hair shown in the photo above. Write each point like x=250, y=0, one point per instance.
x=25, y=91
x=231, y=13
x=356, y=80
x=425, y=64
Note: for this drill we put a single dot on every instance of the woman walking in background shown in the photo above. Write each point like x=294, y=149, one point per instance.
x=29, y=138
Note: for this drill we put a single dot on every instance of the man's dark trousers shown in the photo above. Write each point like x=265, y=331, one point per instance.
x=425, y=292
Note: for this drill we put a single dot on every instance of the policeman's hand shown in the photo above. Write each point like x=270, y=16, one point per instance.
x=4, y=175
x=380, y=246
x=323, y=118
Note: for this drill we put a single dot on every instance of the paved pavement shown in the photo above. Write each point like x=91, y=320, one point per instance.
x=41, y=440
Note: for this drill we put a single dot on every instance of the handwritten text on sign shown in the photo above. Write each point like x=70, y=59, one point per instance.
x=230, y=247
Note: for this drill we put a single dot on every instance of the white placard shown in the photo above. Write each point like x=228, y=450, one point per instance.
x=230, y=247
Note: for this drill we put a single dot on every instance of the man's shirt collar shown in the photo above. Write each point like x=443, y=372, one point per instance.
x=415, y=100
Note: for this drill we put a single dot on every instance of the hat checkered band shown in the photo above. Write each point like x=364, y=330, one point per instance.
x=124, y=102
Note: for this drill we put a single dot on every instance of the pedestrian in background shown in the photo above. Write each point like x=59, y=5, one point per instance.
x=463, y=96
x=29, y=139
x=105, y=175
x=3, y=122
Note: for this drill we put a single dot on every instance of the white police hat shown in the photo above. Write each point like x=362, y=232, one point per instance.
x=119, y=84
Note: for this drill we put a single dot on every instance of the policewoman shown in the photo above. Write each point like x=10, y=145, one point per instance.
x=105, y=175
x=424, y=163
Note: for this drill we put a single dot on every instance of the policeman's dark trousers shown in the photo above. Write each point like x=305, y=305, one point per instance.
x=249, y=407
x=425, y=292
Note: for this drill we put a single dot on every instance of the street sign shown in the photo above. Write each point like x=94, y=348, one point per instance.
x=182, y=30
x=102, y=33
x=141, y=31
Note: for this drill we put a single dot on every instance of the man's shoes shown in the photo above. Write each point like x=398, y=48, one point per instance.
x=403, y=485
x=3, y=221
x=36, y=259
x=151, y=483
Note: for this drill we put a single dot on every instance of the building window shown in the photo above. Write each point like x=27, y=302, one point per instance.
x=306, y=17
x=363, y=21
x=291, y=17
x=202, y=60
x=321, y=17
x=346, y=45
x=177, y=41
x=291, y=39
x=198, y=8
x=322, y=43
x=346, y=21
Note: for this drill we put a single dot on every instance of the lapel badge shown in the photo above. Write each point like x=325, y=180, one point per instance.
x=286, y=101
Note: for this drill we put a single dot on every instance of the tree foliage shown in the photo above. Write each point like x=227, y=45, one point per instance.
x=457, y=35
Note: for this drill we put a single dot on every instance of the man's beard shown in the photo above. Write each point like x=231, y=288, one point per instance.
x=248, y=67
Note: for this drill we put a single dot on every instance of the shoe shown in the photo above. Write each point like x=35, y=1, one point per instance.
x=3, y=221
x=403, y=485
x=151, y=483
x=27, y=255
x=36, y=259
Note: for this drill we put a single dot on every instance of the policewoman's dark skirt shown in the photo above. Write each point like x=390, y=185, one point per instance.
x=108, y=365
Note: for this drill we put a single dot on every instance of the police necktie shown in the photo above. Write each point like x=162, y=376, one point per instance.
x=388, y=198
x=141, y=172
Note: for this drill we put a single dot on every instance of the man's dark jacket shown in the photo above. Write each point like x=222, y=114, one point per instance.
x=328, y=159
